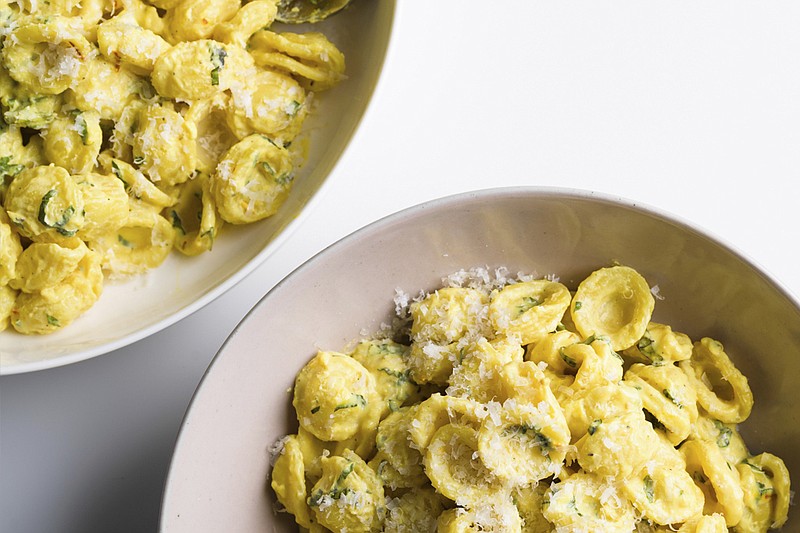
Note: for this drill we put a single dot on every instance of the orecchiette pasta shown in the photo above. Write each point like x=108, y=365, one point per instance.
x=348, y=496
x=729, y=398
x=123, y=118
x=415, y=510
x=469, y=417
x=252, y=180
x=614, y=302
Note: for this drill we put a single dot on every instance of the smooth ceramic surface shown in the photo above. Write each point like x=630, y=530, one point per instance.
x=131, y=310
x=218, y=476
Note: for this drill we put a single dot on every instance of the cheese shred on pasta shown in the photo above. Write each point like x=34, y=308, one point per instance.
x=512, y=404
x=137, y=127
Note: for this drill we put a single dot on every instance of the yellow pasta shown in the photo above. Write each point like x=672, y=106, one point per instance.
x=662, y=490
x=397, y=463
x=348, y=496
x=73, y=140
x=250, y=18
x=252, y=180
x=586, y=409
x=667, y=395
x=414, y=510
x=386, y=360
x=450, y=463
x=502, y=516
x=54, y=307
x=269, y=103
x=529, y=500
x=309, y=56
x=334, y=393
x=7, y=298
x=143, y=116
x=728, y=398
x=524, y=443
x=105, y=204
x=44, y=203
x=107, y=89
x=194, y=217
x=478, y=376
x=765, y=482
x=586, y=502
x=43, y=265
x=122, y=41
x=142, y=243
x=720, y=483
x=528, y=310
x=46, y=56
x=661, y=345
x=614, y=302
x=288, y=481
x=465, y=417
x=10, y=249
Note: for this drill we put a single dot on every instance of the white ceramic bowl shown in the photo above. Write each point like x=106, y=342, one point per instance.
x=144, y=305
x=218, y=477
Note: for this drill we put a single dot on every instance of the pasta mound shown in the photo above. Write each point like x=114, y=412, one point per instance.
x=133, y=128
x=503, y=403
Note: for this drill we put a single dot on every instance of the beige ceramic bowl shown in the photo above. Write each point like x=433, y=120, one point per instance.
x=146, y=304
x=218, y=476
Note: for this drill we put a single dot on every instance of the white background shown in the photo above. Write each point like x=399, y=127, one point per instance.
x=690, y=107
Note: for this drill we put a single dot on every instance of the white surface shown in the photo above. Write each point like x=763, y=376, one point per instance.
x=690, y=107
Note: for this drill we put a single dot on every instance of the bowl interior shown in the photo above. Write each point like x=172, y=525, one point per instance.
x=182, y=285
x=218, y=477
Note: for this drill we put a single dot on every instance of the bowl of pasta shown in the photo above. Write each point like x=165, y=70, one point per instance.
x=154, y=153
x=514, y=359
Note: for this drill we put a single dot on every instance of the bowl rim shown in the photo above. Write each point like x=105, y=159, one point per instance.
x=221, y=288
x=443, y=203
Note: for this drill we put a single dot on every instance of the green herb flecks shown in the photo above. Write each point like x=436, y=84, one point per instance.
x=572, y=363
x=118, y=173
x=647, y=348
x=59, y=224
x=528, y=303
x=337, y=491
x=284, y=179
x=594, y=426
x=591, y=338
x=7, y=168
x=649, y=489
x=668, y=395
x=382, y=468
x=315, y=410
x=578, y=305
x=124, y=242
x=724, y=436
x=529, y=432
x=293, y=107
x=356, y=400
x=53, y=321
x=764, y=491
x=756, y=468
x=573, y=506
x=402, y=377
x=386, y=347
x=177, y=223
x=218, y=56
x=266, y=166
x=81, y=126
